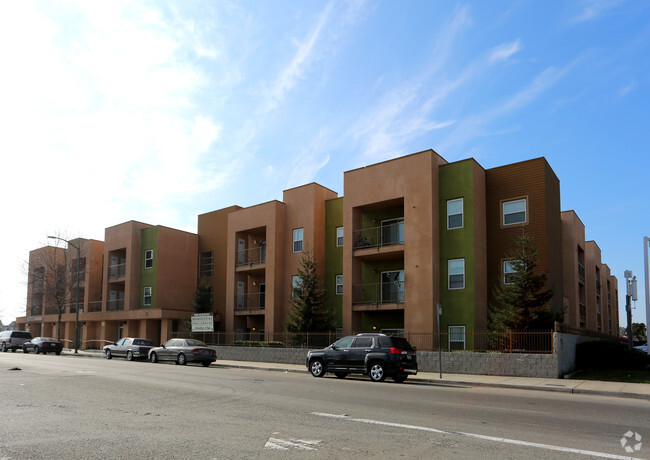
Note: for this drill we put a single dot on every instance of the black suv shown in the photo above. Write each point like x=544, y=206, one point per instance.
x=377, y=355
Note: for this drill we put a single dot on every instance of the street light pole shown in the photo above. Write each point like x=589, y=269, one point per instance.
x=646, y=243
x=76, y=319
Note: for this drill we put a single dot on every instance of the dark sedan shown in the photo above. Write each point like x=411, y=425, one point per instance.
x=183, y=351
x=129, y=348
x=43, y=345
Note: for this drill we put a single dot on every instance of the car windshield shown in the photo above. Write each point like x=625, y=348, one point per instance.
x=48, y=339
x=195, y=343
x=21, y=335
x=143, y=342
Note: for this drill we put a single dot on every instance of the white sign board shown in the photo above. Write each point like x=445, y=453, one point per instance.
x=202, y=322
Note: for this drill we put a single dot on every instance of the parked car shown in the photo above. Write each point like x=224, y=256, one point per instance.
x=183, y=351
x=376, y=355
x=643, y=348
x=13, y=340
x=129, y=348
x=43, y=345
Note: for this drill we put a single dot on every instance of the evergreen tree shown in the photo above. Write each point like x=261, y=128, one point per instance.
x=523, y=303
x=307, y=302
x=202, y=299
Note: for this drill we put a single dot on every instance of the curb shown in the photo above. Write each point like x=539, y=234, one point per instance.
x=428, y=381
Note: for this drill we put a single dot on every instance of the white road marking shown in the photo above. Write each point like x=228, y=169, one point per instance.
x=283, y=444
x=476, y=436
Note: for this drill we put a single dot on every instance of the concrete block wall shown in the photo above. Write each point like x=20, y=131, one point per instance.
x=555, y=365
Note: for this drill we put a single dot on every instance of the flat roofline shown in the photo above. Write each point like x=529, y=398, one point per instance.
x=575, y=214
x=397, y=159
x=234, y=207
x=308, y=184
x=129, y=222
x=465, y=159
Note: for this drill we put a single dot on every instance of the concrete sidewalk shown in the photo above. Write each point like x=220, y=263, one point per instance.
x=587, y=387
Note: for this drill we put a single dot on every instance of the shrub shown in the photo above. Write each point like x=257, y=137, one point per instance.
x=609, y=354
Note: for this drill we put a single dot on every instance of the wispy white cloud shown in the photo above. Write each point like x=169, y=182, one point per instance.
x=481, y=124
x=594, y=9
x=505, y=51
x=296, y=68
x=624, y=91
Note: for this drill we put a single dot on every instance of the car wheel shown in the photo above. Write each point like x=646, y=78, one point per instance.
x=399, y=378
x=129, y=355
x=317, y=368
x=376, y=372
x=182, y=360
x=341, y=375
x=109, y=355
x=25, y=350
x=4, y=347
x=206, y=363
x=154, y=357
x=36, y=350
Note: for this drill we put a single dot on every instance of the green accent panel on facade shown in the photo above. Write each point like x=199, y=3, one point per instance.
x=149, y=240
x=457, y=181
x=333, y=258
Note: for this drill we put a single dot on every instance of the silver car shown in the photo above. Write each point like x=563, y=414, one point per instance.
x=182, y=351
x=130, y=348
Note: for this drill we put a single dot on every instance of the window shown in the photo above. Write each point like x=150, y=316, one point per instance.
x=514, y=212
x=362, y=342
x=147, y=295
x=296, y=282
x=297, y=240
x=508, y=271
x=339, y=236
x=456, y=337
x=392, y=287
x=454, y=213
x=392, y=231
x=456, y=273
x=206, y=264
x=339, y=284
x=148, y=258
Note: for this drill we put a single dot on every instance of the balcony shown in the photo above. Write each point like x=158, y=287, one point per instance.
x=250, y=259
x=113, y=305
x=94, y=306
x=380, y=243
x=116, y=272
x=581, y=273
x=378, y=296
x=251, y=303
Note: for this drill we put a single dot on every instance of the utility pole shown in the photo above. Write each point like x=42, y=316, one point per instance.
x=646, y=243
x=630, y=294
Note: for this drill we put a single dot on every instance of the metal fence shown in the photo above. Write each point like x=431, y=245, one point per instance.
x=497, y=342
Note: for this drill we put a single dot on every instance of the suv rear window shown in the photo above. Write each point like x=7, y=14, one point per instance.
x=21, y=335
x=396, y=342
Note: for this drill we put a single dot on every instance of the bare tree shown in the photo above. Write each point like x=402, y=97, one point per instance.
x=52, y=280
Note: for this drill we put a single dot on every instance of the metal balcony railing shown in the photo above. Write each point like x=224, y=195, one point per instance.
x=250, y=301
x=378, y=293
x=116, y=271
x=250, y=256
x=95, y=306
x=581, y=273
x=385, y=235
x=112, y=305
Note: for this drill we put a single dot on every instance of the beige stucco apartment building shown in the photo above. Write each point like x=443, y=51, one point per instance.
x=408, y=234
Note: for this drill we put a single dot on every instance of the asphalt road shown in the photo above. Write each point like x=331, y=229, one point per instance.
x=73, y=407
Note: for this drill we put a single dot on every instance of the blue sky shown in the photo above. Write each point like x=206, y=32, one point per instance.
x=160, y=111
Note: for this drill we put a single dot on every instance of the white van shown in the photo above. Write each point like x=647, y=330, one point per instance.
x=14, y=339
